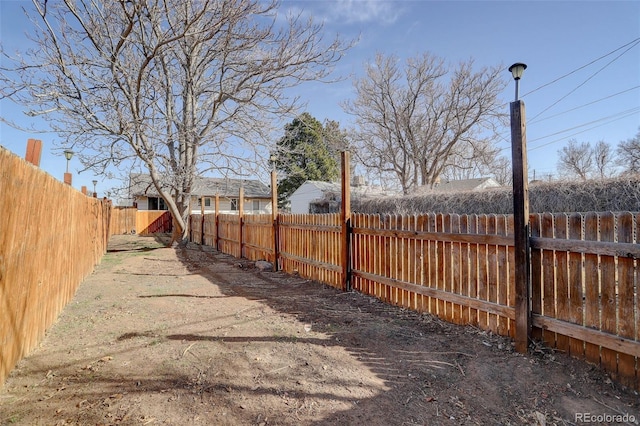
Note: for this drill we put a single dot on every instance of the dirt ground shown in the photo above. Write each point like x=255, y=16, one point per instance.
x=176, y=336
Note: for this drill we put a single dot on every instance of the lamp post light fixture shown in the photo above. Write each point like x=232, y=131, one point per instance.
x=517, y=70
x=95, y=182
x=68, y=154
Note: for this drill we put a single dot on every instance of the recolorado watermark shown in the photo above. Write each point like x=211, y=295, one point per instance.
x=605, y=418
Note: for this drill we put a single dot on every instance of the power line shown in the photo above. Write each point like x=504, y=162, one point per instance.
x=619, y=116
x=615, y=117
x=584, y=105
x=582, y=67
x=503, y=137
x=585, y=81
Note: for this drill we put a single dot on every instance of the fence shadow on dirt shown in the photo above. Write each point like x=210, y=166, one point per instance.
x=428, y=365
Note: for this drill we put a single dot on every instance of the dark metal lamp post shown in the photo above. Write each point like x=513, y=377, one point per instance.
x=516, y=70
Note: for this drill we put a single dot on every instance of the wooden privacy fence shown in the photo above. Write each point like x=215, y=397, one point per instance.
x=153, y=221
x=123, y=220
x=51, y=237
x=459, y=268
x=311, y=246
x=584, y=289
x=130, y=220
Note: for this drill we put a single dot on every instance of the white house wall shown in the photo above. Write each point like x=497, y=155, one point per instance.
x=303, y=196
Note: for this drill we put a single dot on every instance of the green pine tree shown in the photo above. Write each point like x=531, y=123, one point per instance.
x=303, y=154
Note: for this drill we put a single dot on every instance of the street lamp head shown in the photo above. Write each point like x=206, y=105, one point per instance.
x=68, y=154
x=517, y=69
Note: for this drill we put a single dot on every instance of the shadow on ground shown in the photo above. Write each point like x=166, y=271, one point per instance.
x=188, y=335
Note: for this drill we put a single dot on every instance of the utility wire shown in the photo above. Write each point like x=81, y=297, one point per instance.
x=583, y=105
x=615, y=117
x=582, y=67
x=503, y=136
x=585, y=81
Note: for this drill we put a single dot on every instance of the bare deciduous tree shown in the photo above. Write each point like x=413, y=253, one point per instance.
x=581, y=160
x=412, y=122
x=629, y=154
x=575, y=160
x=174, y=86
x=603, y=158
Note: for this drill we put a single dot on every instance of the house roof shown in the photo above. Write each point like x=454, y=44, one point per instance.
x=333, y=188
x=462, y=185
x=140, y=184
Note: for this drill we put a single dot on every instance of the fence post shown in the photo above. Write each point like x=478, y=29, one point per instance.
x=202, y=220
x=274, y=217
x=240, y=217
x=34, y=151
x=217, y=207
x=521, y=226
x=345, y=220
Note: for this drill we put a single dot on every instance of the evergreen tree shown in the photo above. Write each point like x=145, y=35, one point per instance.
x=303, y=153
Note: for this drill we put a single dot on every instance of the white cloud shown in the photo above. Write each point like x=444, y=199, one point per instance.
x=386, y=12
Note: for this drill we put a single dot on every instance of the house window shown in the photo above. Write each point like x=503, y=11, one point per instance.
x=234, y=204
x=207, y=202
x=256, y=205
x=157, y=203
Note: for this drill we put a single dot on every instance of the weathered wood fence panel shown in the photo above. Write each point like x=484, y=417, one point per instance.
x=195, y=228
x=153, y=221
x=210, y=230
x=310, y=245
x=229, y=229
x=457, y=268
x=51, y=238
x=585, y=288
x=258, y=237
x=123, y=220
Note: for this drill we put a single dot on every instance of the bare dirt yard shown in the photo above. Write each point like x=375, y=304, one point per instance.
x=177, y=336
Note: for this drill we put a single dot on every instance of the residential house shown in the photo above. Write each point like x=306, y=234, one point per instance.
x=257, y=196
x=325, y=197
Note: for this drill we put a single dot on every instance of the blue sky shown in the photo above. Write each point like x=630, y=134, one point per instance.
x=600, y=101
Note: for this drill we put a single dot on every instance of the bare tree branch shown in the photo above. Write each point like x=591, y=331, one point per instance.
x=415, y=122
x=175, y=86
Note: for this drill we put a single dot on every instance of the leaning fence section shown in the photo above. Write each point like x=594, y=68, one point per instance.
x=310, y=245
x=459, y=268
x=51, y=237
x=585, y=288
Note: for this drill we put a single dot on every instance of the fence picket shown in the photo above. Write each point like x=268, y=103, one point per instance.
x=483, y=273
x=474, y=253
x=592, y=301
x=502, y=265
x=576, y=285
x=562, y=279
x=548, y=279
x=608, y=291
x=626, y=308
